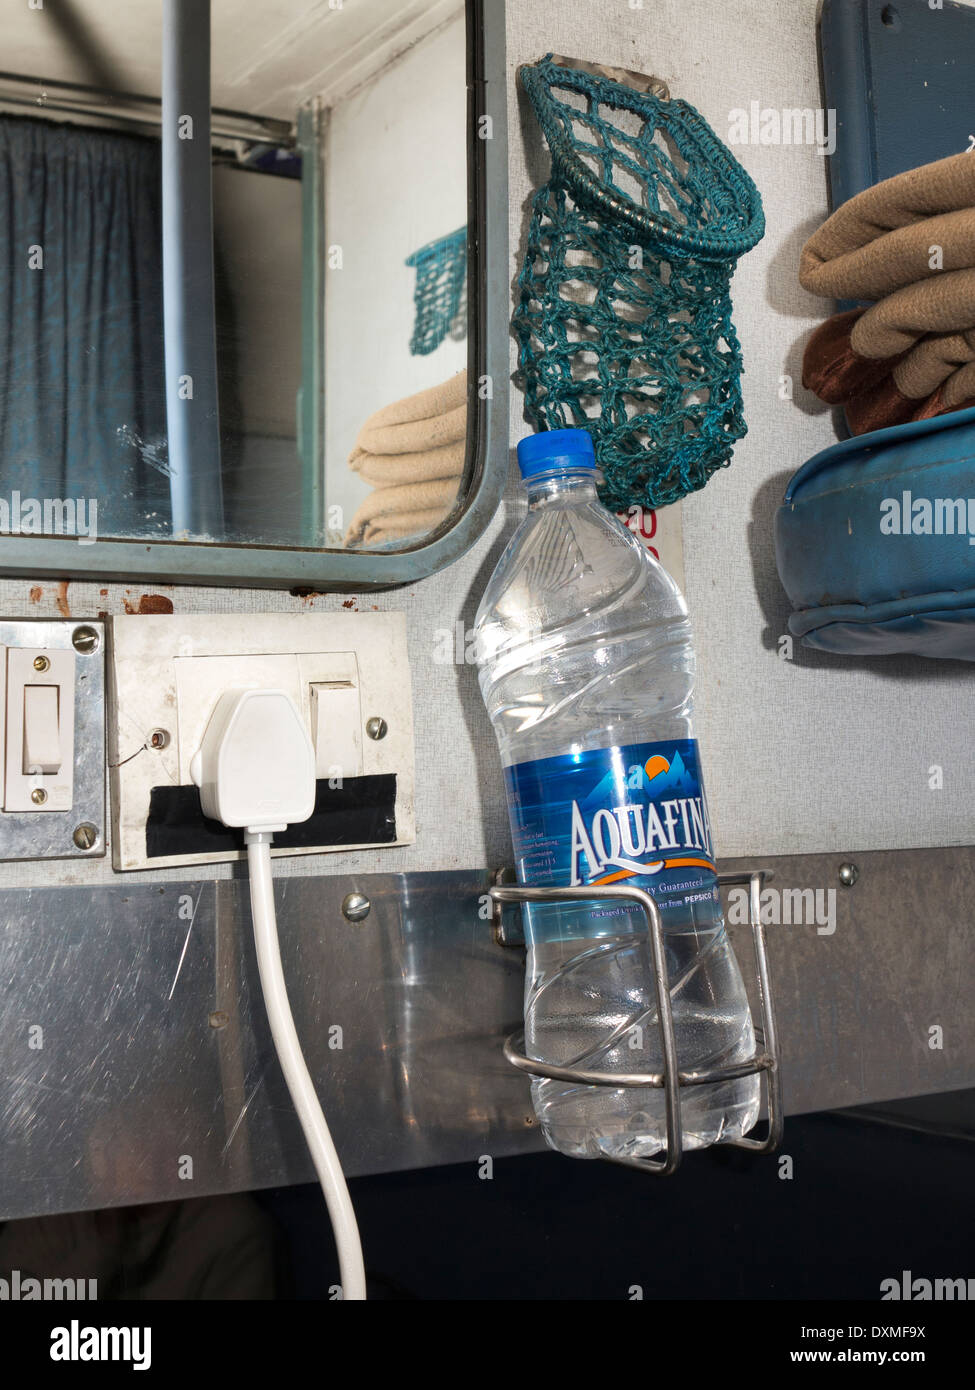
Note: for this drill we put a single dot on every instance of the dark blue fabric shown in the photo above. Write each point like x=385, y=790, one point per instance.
x=856, y=589
x=82, y=399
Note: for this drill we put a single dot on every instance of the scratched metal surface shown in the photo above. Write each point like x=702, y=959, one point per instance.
x=132, y=1080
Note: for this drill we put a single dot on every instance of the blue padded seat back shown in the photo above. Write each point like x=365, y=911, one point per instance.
x=857, y=590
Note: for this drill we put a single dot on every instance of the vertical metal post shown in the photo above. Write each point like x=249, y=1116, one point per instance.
x=311, y=396
x=192, y=410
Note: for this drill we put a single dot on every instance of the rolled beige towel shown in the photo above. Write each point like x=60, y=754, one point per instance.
x=910, y=355
x=417, y=424
x=946, y=359
x=413, y=452
x=381, y=532
x=411, y=507
x=392, y=470
x=879, y=241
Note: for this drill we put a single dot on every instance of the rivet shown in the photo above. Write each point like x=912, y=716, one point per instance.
x=219, y=1019
x=159, y=739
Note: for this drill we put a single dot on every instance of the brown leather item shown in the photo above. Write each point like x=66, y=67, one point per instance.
x=881, y=407
x=831, y=368
x=886, y=406
x=876, y=392
x=871, y=390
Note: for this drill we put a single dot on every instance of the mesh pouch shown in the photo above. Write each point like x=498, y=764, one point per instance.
x=624, y=314
x=441, y=272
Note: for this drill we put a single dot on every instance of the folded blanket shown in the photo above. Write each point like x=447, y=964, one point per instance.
x=389, y=470
x=407, y=524
x=413, y=453
x=880, y=239
x=425, y=421
x=909, y=245
x=414, y=506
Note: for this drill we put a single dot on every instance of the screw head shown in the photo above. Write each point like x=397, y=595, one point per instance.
x=85, y=640
x=356, y=907
x=376, y=727
x=41, y=663
x=85, y=835
x=38, y=796
x=848, y=874
x=159, y=739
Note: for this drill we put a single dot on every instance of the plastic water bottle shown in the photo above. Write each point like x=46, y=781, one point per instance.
x=587, y=671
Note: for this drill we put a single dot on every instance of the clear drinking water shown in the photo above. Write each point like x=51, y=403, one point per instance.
x=587, y=671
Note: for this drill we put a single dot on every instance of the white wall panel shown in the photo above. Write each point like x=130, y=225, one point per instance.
x=817, y=754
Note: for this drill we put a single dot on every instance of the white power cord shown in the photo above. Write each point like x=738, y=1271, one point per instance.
x=256, y=770
x=300, y=1084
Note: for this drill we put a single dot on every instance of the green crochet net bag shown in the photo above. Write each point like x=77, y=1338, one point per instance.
x=624, y=315
x=441, y=272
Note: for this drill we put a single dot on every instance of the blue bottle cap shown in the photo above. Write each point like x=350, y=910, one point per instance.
x=554, y=451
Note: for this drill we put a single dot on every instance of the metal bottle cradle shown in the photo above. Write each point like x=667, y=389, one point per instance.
x=764, y=1062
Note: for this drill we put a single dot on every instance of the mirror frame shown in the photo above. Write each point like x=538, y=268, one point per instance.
x=142, y=560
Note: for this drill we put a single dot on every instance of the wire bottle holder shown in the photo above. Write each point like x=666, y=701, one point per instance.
x=764, y=1061
x=624, y=313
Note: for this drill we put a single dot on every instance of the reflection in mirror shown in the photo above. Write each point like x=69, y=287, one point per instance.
x=339, y=274
x=395, y=315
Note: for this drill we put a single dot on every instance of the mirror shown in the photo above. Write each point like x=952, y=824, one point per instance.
x=332, y=410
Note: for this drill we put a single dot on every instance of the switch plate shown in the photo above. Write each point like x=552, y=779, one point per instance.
x=40, y=711
x=167, y=673
x=75, y=804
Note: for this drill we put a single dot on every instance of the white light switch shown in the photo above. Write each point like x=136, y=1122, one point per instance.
x=39, y=751
x=42, y=734
x=336, y=723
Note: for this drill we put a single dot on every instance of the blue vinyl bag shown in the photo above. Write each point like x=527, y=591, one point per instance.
x=875, y=542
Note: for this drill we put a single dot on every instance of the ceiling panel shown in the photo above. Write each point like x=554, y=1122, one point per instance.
x=268, y=55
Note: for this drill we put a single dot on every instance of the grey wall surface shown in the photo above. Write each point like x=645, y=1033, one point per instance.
x=816, y=754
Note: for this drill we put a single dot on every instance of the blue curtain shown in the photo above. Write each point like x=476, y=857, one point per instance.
x=82, y=397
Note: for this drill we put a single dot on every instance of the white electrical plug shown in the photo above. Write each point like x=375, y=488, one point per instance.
x=255, y=767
